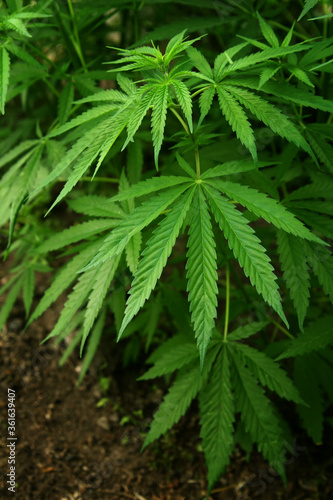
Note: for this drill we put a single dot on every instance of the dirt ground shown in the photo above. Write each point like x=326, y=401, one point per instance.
x=70, y=446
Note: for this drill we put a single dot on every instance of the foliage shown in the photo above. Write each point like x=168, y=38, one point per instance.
x=217, y=155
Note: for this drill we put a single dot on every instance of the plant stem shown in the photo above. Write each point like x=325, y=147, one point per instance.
x=180, y=119
x=227, y=303
x=197, y=162
x=281, y=328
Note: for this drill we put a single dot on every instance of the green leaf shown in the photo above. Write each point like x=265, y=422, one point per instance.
x=233, y=167
x=135, y=222
x=65, y=277
x=247, y=249
x=186, y=166
x=65, y=102
x=315, y=337
x=132, y=252
x=4, y=77
x=258, y=415
x=268, y=32
x=185, y=101
x=268, y=372
x=201, y=267
x=292, y=254
x=76, y=233
x=200, y=62
x=205, y=101
x=237, y=119
x=10, y=301
x=217, y=418
x=145, y=102
x=158, y=118
x=74, y=301
x=270, y=115
x=155, y=256
x=94, y=341
x=96, y=206
x=149, y=186
x=186, y=386
x=267, y=208
x=101, y=284
x=243, y=332
x=321, y=147
x=309, y=4
x=172, y=360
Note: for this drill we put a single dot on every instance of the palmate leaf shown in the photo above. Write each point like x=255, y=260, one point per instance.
x=315, y=337
x=201, y=267
x=270, y=115
x=146, y=99
x=268, y=372
x=258, y=415
x=321, y=147
x=135, y=222
x=158, y=118
x=154, y=257
x=205, y=101
x=265, y=207
x=234, y=167
x=93, y=344
x=65, y=102
x=132, y=252
x=292, y=252
x=186, y=386
x=217, y=411
x=237, y=119
x=246, y=248
x=243, y=332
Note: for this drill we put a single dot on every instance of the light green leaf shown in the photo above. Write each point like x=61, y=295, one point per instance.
x=154, y=257
x=205, y=101
x=149, y=186
x=267, y=208
x=201, y=273
x=132, y=252
x=247, y=249
x=184, y=99
x=28, y=289
x=135, y=222
x=10, y=301
x=309, y=4
x=321, y=261
x=94, y=341
x=96, y=206
x=158, y=118
x=4, y=77
x=101, y=284
x=243, y=332
x=76, y=233
x=172, y=360
x=186, y=166
x=268, y=32
x=237, y=119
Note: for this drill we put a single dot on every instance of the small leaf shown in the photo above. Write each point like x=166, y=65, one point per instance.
x=4, y=77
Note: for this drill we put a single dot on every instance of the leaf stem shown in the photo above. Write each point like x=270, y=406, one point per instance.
x=227, y=303
x=180, y=119
x=280, y=327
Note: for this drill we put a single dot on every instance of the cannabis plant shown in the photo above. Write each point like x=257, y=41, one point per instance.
x=234, y=179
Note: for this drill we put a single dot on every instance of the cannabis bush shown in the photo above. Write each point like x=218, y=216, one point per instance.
x=221, y=148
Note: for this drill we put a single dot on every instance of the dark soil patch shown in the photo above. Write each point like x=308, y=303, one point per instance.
x=68, y=448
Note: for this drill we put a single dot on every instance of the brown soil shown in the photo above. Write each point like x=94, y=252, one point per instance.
x=68, y=448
